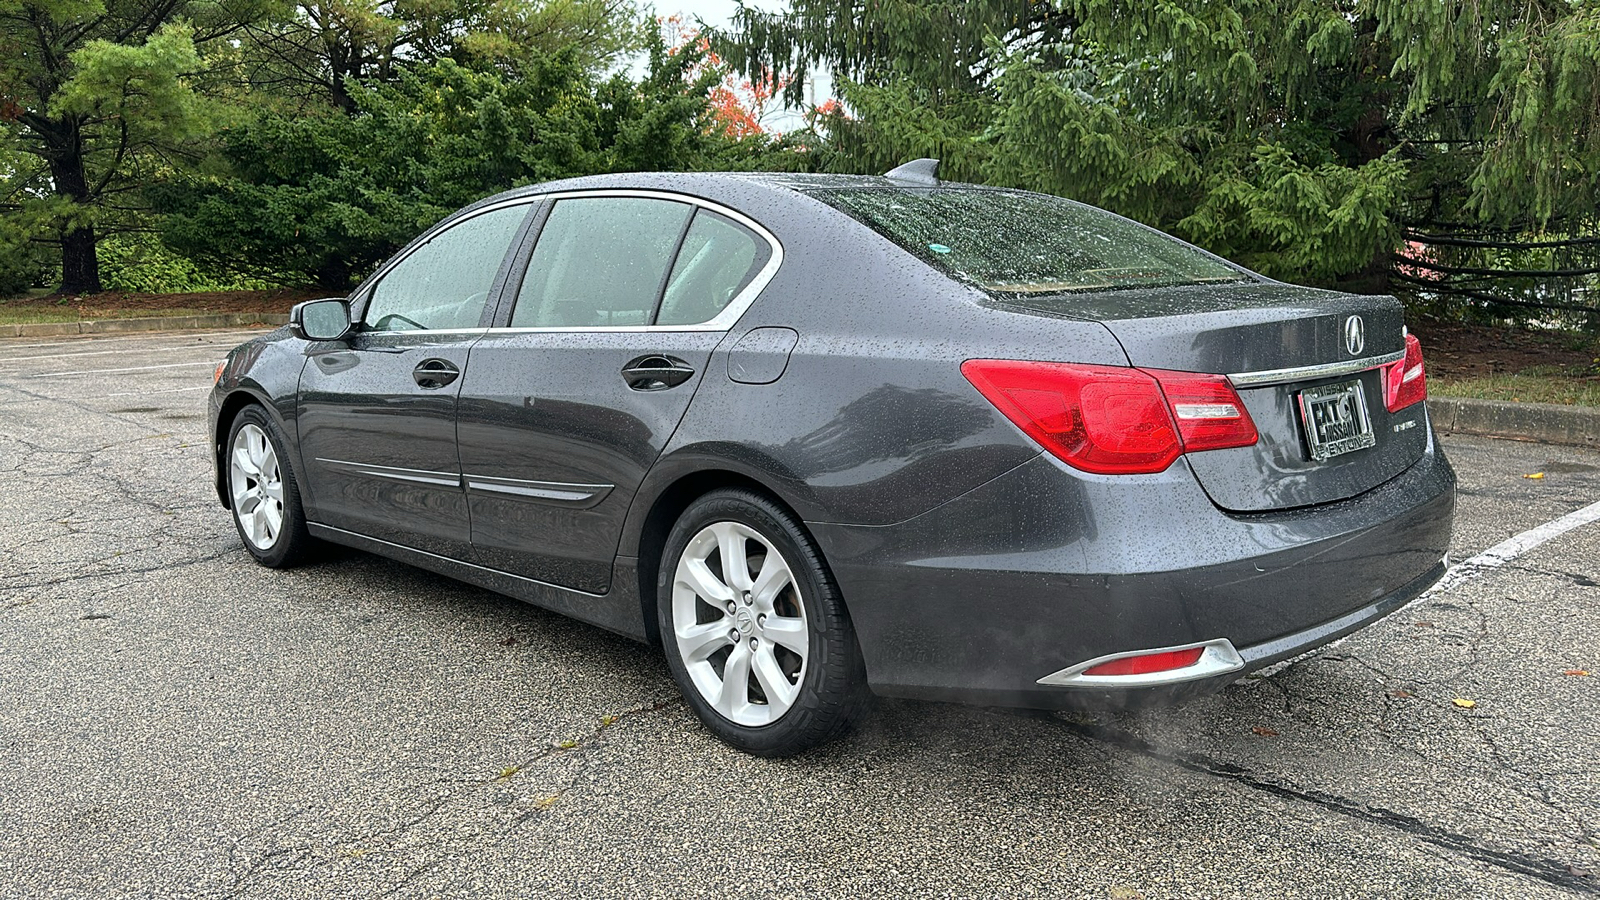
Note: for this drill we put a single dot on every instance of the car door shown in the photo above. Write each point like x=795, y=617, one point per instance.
x=377, y=411
x=605, y=339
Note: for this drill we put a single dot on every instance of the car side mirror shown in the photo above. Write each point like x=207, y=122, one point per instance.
x=320, y=320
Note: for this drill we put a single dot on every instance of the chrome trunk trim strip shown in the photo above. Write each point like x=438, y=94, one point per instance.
x=1311, y=373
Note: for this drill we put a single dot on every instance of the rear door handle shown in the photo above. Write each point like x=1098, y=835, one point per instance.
x=656, y=373
x=435, y=373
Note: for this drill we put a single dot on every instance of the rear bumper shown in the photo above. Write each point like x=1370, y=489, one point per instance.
x=1045, y=568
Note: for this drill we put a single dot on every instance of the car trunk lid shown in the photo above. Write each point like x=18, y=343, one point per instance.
x=1289, y=352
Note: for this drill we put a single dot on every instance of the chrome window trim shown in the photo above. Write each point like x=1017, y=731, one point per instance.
x=722, y=321
x=1309, y=373
x=431, y=331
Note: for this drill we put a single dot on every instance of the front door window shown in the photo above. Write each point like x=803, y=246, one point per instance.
x=445, y=283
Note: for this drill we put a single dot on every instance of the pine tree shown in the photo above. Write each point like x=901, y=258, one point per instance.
x=1317, y=140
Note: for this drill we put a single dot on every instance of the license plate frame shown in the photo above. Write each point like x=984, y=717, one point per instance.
x=1335, y=420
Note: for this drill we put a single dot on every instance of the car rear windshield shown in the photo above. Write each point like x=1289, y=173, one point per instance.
x=1011, y=243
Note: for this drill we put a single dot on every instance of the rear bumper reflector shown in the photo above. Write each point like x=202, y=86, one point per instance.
x=1216, y=657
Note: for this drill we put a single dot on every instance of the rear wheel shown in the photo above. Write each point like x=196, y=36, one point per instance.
x=263, y=493
x=754, y=629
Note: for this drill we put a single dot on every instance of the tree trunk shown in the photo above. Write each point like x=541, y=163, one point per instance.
x=80, y=267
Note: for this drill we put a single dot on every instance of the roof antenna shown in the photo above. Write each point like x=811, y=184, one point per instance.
x=921, y=172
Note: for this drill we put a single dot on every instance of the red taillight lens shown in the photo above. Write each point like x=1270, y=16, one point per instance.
x=1103, y=419
x=1112, y=420
x=1208, y=411
x=1150, y=662
x=1405, y=382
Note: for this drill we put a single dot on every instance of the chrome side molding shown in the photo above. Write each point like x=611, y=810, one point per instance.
x=578, y=496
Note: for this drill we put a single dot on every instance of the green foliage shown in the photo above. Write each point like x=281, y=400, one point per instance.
x=313, y=57
x=1307, y=138
x=96, y=97
x=330, y=196
x=137, y=262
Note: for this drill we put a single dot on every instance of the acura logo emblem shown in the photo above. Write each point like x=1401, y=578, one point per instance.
x=1355, y=335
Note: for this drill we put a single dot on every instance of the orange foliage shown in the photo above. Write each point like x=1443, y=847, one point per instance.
x=737, y=105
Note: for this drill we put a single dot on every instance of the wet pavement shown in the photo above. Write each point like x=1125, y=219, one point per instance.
x=177, y=721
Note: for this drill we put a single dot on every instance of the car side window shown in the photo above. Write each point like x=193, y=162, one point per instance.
x=600, y=261
x=719, y=257
x=445, y=283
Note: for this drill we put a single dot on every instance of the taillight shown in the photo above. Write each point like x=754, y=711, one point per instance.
x=1405, y=382
x=1208, y=410
x=1113, y=420
x=1165, y=661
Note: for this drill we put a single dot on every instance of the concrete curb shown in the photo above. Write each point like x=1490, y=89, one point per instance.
x=1547, y=423
x=156, y=323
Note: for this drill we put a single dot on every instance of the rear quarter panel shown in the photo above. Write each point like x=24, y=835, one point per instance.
x=872, y=421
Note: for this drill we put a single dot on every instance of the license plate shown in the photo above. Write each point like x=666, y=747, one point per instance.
x=1335, y=419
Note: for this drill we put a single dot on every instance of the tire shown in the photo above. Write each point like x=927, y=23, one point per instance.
x=264, y=496
x=781, y=624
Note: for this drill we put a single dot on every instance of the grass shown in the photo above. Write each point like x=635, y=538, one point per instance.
x=34, y=315
x=1570, y=385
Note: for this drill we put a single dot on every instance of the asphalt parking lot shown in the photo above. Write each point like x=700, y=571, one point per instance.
x=176, y=721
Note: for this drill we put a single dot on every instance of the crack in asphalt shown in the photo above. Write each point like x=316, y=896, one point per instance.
x=288, y=857
x=112, y=573
x=1550, y=871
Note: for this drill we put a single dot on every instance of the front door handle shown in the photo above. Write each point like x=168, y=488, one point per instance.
x=435, y=373
x=656, y=373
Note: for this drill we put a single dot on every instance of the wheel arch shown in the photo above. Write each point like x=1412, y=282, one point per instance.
x=648, y=533
x=232, y=405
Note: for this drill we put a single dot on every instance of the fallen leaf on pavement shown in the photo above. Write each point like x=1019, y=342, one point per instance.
x=1464, y=703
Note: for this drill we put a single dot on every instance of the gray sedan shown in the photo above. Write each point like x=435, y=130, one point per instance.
x=819, y=437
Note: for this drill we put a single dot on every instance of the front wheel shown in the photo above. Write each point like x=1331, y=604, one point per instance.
x=754, y=629
x=263, y=493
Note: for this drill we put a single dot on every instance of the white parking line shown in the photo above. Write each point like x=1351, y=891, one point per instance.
x=203, y=387
x=1513, y=547
x=124, y=338
x=203, y=362
x=1466, y=570
x=126, y=350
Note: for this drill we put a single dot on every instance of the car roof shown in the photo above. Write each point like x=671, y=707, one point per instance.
x=732, y=187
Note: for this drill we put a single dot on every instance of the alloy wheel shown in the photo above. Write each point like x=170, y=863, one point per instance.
x=256, y=485
x=740, y=623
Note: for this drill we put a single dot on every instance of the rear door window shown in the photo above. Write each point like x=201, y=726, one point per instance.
x=445, y=283
x=718, y=259
x=600, y=262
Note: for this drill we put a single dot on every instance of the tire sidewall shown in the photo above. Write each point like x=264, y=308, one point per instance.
x=798, y=727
